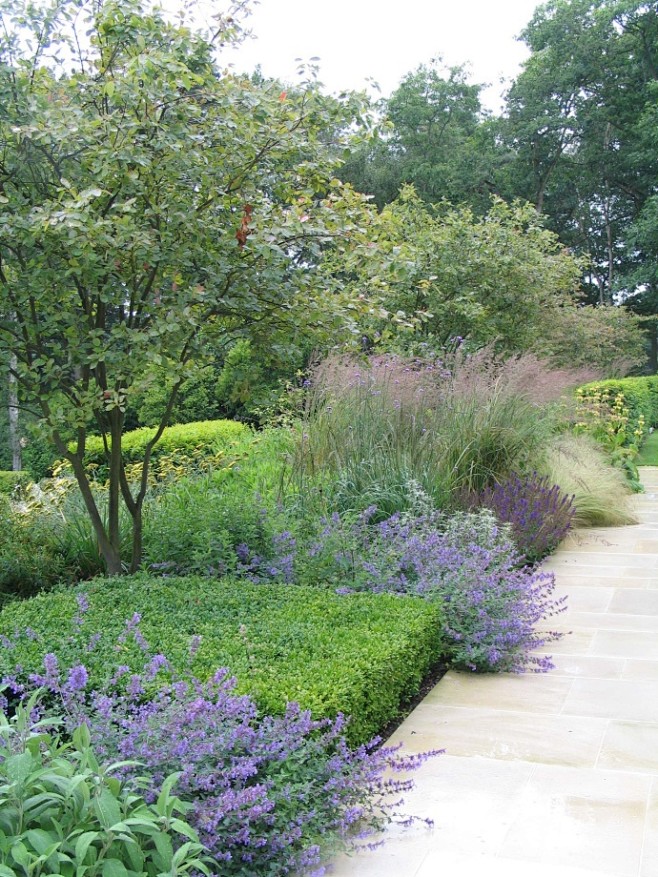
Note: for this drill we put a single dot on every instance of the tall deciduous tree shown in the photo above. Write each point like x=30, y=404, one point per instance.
x=435, y=137
x=501, y=279
x=574, y=124
x=149, y=205
x=489, y=279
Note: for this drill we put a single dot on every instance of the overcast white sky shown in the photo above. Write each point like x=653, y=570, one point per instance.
x=385, y=39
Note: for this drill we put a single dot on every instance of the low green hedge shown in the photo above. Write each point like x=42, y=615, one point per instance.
x=212, y=436
x=9, y=481
x=361, y=654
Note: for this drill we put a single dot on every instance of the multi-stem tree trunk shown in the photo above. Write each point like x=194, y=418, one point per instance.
x=14, y=434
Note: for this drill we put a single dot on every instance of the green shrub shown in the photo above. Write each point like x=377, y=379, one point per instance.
x=39, y=455
x=204, y=439
x=640, y=398
x=9, y=481
x=62, y=811
x=578, y=465
x=618, y=414
x=195, y=400
x=249, y=381
x=27, y=562
x=261, y=464
x=361, y=655
x=196, y=525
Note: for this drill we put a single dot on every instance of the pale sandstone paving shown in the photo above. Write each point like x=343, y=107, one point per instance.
x=548, y=775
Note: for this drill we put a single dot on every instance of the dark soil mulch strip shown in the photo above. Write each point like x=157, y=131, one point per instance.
x=408, y=706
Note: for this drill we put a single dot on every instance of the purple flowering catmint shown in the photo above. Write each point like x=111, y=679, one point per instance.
x=157, y=663
x=77, y=678
x=94, y=639
x=263, y=791
x=491, y=603
x=83, y=606
x=135, y=687
x=51, y=665
x=132, y=628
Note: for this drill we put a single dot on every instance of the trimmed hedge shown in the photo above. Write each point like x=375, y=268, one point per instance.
x=361, y=654
x=9, y=480
x=640, y=397
x=213, y=436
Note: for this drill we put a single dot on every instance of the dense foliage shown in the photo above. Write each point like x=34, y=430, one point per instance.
x=357, y=656
x=65, y=812
x=11, y=481
x=618, y=414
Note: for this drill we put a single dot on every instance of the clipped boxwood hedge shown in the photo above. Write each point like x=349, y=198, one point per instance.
x=361, y=654
x=9, y=480
x=214, y=436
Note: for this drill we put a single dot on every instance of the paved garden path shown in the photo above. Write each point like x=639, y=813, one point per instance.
x=551, y=775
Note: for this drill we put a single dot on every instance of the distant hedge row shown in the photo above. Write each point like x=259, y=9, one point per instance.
x=9, y=481
x=640, y=397
x=204, y=438
x=360, y=654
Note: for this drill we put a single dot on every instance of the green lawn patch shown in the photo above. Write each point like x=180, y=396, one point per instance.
x=648, y=455
x=361, y=654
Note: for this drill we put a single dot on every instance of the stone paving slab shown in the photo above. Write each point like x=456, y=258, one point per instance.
x=550, y=775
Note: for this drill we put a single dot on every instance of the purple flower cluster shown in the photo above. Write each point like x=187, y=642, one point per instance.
x=265, y=791
x=537, y=511
x=492, y=603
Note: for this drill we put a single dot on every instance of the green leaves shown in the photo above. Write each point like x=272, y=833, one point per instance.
x=500, y=278
x=154, y=211
x=61, y=814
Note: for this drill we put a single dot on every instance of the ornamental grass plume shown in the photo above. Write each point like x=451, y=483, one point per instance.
x=579, y=465
x=459, y=422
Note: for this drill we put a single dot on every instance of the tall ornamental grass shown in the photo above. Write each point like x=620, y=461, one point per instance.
x=601, y=494
x=454, y=424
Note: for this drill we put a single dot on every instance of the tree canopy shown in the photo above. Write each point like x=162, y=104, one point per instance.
x=435, y=137
x=151, y=205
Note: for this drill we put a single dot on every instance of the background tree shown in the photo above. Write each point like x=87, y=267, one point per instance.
x=150, y=208
x=435, y=136
x=575, y=119
x=488, y=279
x=501, y=279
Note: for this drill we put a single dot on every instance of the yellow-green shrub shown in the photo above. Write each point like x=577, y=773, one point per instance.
x=629, y=404
x=9, y=481
x=181, y=448
x=361, y=655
